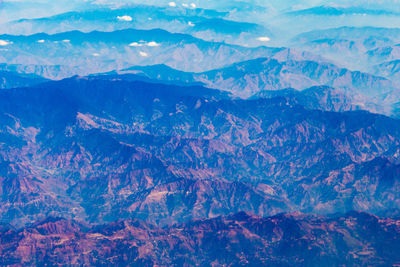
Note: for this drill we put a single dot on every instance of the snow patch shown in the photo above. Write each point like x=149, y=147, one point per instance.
x=172, y=4
x=143, y=54
x=191, y=24
x=40, y=41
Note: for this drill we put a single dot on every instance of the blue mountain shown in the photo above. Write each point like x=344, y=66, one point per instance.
x=11, y=79
x=106, y=148
x=76, y=52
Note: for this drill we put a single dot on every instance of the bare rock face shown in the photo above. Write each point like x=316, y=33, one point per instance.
x=100, y=149
x=239, y=239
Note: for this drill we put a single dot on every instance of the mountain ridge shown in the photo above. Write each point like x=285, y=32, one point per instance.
x=241, y=239
x=64, y=142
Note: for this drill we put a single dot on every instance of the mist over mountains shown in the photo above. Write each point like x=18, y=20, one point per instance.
x=222, y=133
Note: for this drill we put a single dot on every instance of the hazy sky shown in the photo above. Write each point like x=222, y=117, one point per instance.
x=17, y=9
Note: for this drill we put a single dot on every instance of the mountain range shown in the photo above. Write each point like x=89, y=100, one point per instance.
x=87, y=53
x=262, y=76
x=102, y=148
x=203, y=23
x=240, y=239
x=199, y=133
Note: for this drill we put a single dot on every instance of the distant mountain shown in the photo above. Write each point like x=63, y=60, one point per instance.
x=136, y=16
x=219, y=25
x=51, y=72
x=10, y=79
x=238, y=239
x=353, y=47
x=202, y=23
x=13, y=10
x=86, y=53
x=161, y=73
x=359, y=34
x=318, y=97
x=270, y=74
x=339, y=11
x=389, y=69
x=99, y=149
x=384, y=54
x=251, y=78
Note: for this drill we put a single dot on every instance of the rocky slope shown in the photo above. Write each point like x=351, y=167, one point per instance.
x=355, y=239
x=210, y=133
x=100, y=148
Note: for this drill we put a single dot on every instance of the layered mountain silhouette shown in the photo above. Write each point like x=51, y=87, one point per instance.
x=199, y=133
x=204, y=23
x=77, y=53
x=262, y=76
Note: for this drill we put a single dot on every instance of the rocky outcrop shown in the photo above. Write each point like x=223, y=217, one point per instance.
x=98, y=149
x=238, y=239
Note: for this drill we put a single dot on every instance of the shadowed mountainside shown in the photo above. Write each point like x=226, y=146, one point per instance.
x=240, y=239
x=101, y=148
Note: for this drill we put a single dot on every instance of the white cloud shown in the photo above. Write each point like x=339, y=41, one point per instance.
x=191, y=24
x=143, y=54
x=143, y=43
x=4, y=43
x=40, y=41
x=185, y=5
x=66, y=41
x=96, y=54
x=264, y=39
x=172, y=4
x=135, y=44
x=193, y=5
x=125, y=18
x=153, y=44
